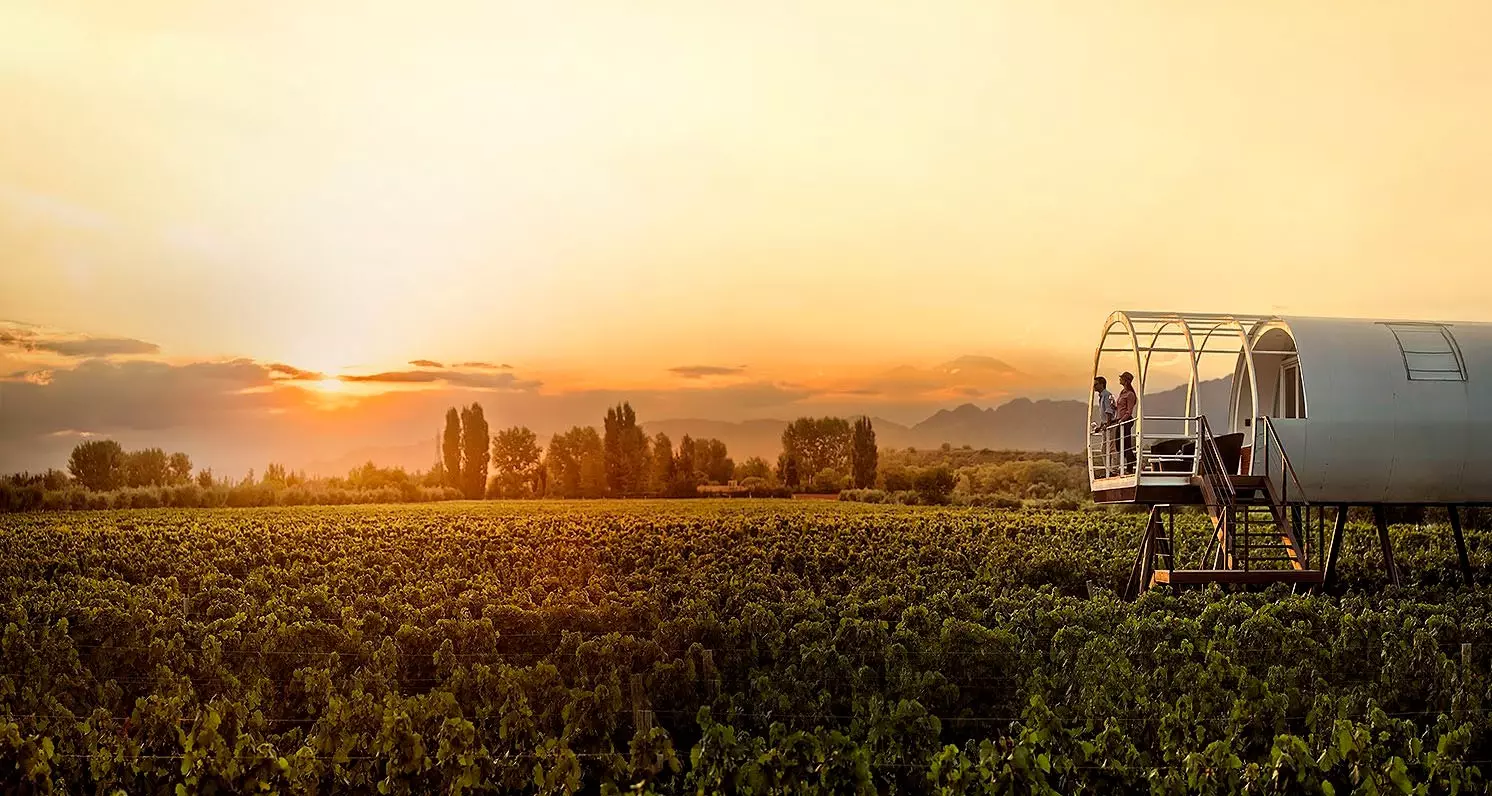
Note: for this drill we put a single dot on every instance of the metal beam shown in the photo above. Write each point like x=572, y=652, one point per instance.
x=1380, y=517
x=1455, y=516
x=1335, y=548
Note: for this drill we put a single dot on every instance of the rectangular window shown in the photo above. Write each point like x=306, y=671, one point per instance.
x=1290, y=381
x=1430, y=352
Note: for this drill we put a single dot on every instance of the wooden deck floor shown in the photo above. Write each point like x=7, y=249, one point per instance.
x=1199, y=577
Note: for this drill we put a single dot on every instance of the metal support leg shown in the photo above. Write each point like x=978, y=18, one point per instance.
x=1389, y=566
x=1336, y=547
x=1455, y=517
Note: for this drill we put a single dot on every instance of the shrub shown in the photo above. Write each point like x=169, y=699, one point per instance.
x=865, y=495
x=934, y=485
x=827, y=481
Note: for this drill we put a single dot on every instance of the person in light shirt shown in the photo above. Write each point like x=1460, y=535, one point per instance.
x=1124, y=418
x=1104, y=404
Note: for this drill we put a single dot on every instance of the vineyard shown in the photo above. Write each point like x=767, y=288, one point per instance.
x=714, y=646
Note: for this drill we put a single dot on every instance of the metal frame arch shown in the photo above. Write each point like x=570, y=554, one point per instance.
x=1121, y=317
x=1262, y=328
x=1193, y=356
x=1246, y=352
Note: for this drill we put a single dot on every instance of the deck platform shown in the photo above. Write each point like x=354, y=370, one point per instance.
x=1153, y=489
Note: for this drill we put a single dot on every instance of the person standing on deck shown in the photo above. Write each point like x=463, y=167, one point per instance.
x=1105, y=423
x=1124, y=418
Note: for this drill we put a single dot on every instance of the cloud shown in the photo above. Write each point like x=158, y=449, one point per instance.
x=483, y=365
x=475, y=381
x=703, y=371
x=100, y=395
x=292, y=373
x=396, y=377
x=425, y=363
x=30, y=340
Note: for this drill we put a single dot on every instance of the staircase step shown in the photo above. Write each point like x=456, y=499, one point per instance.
x=1202, y=576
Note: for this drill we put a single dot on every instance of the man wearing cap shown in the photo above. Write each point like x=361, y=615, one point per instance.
x=1124, y=418
x=1104, y=404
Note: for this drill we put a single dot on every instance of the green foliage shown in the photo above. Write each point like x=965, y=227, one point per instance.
x=475, y=449
x=148, y=467
x=626, y=451
x=662, y=472
x=713, y=647
x=815, y=444
x=178, y=469
x=754, y=467
x=934, y=485
x=712, y=462
x=450, y=449
x=863, y=454
x=98, y=464
x=517, y=463
x=575, y=464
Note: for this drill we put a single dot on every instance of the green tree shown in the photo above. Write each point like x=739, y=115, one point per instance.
x=146, y=467
x=934, y=485
x=98, y=464
x=626, y=450
x=476, y=447
x=827, y=481
x=575, y=464
x=516, y=463
x=818, y=444
x=450, y=448
x=561, y=468
x=711, y=461
x=685, y=469
x=789, y=472
x=205, y=479
x=274, y=475
x=863, y=454
x=662, y=472
x=754, y=467
x=179, y=469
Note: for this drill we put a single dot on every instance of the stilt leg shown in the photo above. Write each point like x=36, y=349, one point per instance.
x=1335, y=548
x=1455, y=517
x=1389, y=566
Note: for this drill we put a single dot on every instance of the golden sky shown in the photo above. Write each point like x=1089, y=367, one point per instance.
x=597, y=192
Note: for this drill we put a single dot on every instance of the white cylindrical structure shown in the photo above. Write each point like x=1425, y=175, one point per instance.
x=1380, y=411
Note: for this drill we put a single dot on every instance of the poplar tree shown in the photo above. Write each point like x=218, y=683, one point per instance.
x=476, y=448
x=863, y=454
x=450, y=449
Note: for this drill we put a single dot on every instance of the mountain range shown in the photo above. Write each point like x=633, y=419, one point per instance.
x=1020, y=424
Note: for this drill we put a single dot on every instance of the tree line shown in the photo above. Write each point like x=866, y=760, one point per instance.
x=828, y=454
x=618, y=460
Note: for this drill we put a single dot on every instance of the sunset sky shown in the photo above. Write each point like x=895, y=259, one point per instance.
x=236, y=225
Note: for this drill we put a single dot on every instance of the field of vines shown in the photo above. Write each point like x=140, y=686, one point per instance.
x=715, y=647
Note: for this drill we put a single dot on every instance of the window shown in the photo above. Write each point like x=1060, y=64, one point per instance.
x=1289, y=396
x=1430, y=352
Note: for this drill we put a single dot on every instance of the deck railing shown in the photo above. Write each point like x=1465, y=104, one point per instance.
x=1106, y=444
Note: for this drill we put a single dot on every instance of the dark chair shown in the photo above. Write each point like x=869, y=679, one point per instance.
x=1173, y=447
x=1231, y=448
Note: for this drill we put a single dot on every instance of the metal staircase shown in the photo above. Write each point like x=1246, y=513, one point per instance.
x=1259, y=527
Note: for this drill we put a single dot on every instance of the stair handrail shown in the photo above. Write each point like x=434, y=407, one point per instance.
x=1218, y=489
x=1272, y=442
x=1210, y=462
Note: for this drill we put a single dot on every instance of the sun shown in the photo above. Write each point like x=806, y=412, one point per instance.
x=329, y=385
